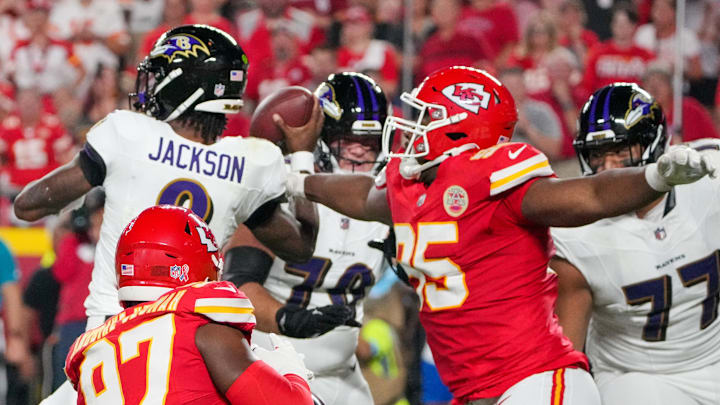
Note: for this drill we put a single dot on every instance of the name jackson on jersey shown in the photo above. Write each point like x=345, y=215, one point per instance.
x=198, y=160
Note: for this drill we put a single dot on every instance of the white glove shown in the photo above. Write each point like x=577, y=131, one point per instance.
x=680, y=164
x=284, y=359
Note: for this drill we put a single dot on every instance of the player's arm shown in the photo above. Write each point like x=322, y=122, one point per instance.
x=247, y=265
x=574, y=303
x=242, y=378
x=581, y=201
x=354, y=195
x=292, y=238
x=52, y=192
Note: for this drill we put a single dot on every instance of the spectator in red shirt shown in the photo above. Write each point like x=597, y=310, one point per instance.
x=494, y=23
x=618, y=59
x=254, y=26
x=208, y=12
x=537, y=123
x=49, y=65
x=33, y=142
x=696, y=120
x=173, y=15
x=448, y=47
x=573, y=34
x=73, y=271
x=551, y=72
x=360, y=52
x=284, y=69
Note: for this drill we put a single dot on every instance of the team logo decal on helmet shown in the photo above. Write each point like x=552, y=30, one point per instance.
x=328, y=101
x=470, y=96
x=640, y=107
x=182, y=45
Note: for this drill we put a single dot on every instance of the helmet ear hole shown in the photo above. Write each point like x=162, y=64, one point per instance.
x=456, y=135
x=187, y=228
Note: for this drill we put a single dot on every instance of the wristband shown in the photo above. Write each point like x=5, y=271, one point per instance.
x=295, y=184
x=302, y=161
x=655, y=180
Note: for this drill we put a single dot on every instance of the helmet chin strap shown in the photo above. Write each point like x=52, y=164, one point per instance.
x=410, y=169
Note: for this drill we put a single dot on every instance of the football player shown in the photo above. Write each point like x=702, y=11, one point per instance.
x=302, y=300
x=183, y=337
x=640, y=291
x=169, y=153
x=471, y=214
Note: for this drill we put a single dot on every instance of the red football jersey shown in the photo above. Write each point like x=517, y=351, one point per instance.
x=606, y=64
x=32, y=152
x=147, y=353
x=481, y=269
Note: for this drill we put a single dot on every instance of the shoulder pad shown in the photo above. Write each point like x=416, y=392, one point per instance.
x=221, y=302
x=512, y=164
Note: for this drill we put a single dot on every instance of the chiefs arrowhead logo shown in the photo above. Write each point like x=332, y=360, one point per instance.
x=470, y=96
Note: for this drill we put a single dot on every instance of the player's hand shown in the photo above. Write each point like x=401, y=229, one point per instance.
x=680, y=164
x=283, y=358
x=298, y=322
x=302, y=138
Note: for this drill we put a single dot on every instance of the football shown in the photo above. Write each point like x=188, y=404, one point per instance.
x=294, y=104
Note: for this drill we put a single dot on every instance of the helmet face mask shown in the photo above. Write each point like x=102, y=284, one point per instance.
x=191, y=68
x=355, y=109
x=457, y=107
x=620, y=116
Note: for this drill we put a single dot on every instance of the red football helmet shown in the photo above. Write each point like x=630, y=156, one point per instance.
x=163, y=248
x=457, y=106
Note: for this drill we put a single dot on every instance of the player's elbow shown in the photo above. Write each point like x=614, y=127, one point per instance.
x=23, y=210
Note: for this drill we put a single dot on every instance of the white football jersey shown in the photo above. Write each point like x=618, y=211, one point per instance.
x=342, y=270
x=147, y=163
x=654, y=281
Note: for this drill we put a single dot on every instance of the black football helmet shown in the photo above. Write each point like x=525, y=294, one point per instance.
x=191, y=68
x=355, y=110
x=621, y=114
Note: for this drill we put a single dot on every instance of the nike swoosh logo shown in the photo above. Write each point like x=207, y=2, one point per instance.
x=225, y=288
x=512, y=155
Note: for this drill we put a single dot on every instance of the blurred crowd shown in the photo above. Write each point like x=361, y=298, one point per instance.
x=65, y=64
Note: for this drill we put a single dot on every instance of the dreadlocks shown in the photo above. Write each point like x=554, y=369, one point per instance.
x=210, y=125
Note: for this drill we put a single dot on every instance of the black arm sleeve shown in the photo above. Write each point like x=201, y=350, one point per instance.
x=92, y=165
x=244, y=264
x=263, y=213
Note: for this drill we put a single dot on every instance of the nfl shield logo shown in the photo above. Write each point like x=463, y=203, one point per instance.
x=344, y=223
x=219, y=89
x=660, y=234
x=180, y=272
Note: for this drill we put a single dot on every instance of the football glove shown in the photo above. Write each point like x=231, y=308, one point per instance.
x=283, y=358
x=298, y=322
x=680, y=165
x=388, y=247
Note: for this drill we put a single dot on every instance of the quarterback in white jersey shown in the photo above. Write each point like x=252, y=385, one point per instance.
x=640, y=291
x=170, y=156
x=319, y=304
x=194, y=75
